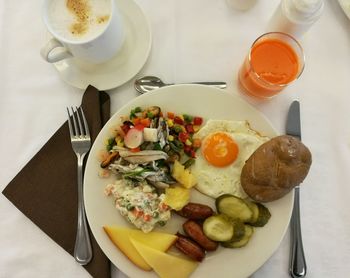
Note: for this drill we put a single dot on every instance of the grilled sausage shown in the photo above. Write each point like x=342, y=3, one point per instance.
x=196, y=211
x=189, y=248
x=195, y=232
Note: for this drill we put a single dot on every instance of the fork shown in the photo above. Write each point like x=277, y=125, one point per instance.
x=81, y=143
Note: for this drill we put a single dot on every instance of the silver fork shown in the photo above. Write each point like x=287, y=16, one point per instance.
x=81, y=143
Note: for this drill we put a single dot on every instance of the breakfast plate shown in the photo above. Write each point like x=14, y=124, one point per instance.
x=209, y=103
x=122, y=67
x=345, y=5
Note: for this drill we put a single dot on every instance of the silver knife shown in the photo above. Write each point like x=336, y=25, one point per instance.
x=297, y=267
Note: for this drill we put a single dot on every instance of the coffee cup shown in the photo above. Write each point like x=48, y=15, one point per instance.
x=89, y=30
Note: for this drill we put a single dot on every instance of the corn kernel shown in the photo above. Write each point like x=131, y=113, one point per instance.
x=117, y=138
x=120, y=143
x=188, y=142
x=170, y=122
x=196, y=128
x=170, y=138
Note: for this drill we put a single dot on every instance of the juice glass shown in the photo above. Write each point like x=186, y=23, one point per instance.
x=274, y=61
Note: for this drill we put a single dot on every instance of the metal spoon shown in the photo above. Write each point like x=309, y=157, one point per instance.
x=149, y=83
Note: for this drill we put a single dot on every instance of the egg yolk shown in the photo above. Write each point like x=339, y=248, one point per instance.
x=219, y=149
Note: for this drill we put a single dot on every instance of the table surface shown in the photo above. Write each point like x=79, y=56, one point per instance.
x=192, y=41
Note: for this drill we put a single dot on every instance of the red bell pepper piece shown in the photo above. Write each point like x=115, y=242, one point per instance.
x=178, y=120
x=125, y=128
x=189, y=128
x=197, y=120
x=183, y=136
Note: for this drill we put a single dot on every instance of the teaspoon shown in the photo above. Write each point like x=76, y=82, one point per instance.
x=149, y=83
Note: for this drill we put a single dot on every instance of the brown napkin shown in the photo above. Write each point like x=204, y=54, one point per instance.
x=46, y=191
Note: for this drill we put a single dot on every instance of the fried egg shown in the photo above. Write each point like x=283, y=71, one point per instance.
x=226, y=145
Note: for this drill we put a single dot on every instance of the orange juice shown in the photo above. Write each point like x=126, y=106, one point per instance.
x=270, y=66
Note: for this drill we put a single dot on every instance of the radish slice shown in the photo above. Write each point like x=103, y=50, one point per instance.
x=134, y=138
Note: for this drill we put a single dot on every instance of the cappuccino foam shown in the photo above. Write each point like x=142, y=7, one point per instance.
x=79, y=20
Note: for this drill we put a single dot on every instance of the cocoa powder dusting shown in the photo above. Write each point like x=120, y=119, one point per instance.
x=102, y=19
x=82, y=11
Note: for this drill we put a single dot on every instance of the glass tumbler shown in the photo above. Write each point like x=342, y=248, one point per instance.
x=274, y=61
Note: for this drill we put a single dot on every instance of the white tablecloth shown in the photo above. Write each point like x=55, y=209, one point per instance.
x=192, y=41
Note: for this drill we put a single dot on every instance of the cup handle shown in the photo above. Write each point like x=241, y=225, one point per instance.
x=51, y=56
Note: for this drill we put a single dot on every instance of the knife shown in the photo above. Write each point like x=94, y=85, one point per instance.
x=297, y=267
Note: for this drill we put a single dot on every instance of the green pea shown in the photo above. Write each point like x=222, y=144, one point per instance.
x=130, y=207
x=161, y=223
x=177, y=128
x=137, y=109
x=187, y=118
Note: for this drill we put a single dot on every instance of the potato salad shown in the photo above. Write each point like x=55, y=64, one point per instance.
x=140, y=204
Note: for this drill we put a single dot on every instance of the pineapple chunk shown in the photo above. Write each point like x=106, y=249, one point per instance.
x=165, y=265
x=183, y=175
x=120, y=236
x=177, y=197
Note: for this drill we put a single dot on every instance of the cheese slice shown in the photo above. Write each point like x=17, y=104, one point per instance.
x=120, y=236
x=165, y=265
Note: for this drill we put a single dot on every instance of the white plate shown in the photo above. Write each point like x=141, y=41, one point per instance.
x=345, y=5
x=124, y=66
x=209, y=103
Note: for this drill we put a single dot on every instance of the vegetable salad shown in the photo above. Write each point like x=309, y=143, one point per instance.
x=141, y=154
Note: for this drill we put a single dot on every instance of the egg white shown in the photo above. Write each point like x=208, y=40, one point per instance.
x=215, y=181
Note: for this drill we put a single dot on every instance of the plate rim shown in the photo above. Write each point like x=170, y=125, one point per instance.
x=235, y=97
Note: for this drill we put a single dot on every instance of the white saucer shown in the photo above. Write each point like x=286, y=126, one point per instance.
x=124, y=66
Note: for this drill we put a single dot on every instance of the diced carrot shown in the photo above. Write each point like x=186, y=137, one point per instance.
x=147, y=217
x=163, y=206
x=196, y=143
x=145, y=122
x=170, y=115
x=139, y=127
x=137, y=213
x=136, y=121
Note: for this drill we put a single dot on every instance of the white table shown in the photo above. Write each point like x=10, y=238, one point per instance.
x=192, y=40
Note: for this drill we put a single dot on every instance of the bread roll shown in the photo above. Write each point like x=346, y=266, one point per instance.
x=275, y=168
